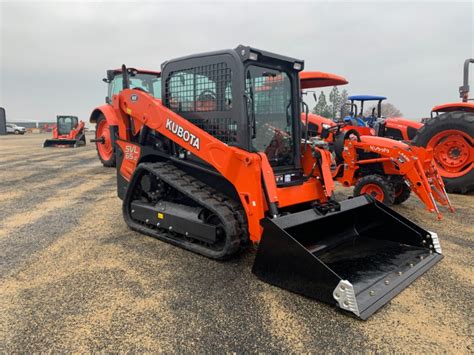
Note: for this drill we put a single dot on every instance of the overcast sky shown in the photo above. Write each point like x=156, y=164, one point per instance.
x=54, y=55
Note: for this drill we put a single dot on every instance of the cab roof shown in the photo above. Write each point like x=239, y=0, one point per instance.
x=318, y=79
x=142, y=71
x=455, y=106
x=366, y=98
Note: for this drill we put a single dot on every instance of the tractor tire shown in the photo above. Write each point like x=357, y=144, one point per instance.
x=450, y=135
x=376, y=186
x=105, y=150
x=402, y=193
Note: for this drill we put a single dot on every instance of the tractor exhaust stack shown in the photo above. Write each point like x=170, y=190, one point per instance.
x=357, y=258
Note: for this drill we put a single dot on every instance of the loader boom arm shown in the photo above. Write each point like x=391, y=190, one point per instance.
x=249, y=173
x=241, y=168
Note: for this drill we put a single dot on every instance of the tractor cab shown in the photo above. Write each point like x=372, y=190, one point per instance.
x=356, y=116
x=146, y=80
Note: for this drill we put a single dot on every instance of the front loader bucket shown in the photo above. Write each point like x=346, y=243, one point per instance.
x=72, y=143
x=357, y=258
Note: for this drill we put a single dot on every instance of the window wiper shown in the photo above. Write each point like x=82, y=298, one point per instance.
x=288, y=115
x=250, y=101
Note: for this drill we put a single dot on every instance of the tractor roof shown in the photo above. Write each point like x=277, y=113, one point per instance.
x=317, y=79
x=141, y=71
x=455, y=106
x=366, y=98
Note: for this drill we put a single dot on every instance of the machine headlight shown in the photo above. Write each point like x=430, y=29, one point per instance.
x=253, y=56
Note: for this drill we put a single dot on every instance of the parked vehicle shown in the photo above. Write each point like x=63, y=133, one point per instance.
x=386, y=169
x=449, y=132
x=14, y=129
x=69, y=132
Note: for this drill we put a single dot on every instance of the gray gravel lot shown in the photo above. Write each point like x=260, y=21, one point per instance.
x=73, y=277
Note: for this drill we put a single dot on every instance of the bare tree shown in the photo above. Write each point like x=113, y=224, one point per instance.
x=388, y=110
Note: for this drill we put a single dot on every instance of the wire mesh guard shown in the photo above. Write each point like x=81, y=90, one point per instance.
x=203, y=95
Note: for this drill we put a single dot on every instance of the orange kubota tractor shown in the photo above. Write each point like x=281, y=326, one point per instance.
x=449, y=132
x=387, y=169
x=104, y=117
x=69, y=132
x=219, y=162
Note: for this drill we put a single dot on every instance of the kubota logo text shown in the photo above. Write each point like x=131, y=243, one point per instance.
x=379, y=149
x=185, y=135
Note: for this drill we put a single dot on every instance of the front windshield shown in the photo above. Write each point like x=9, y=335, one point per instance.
x=148, y=82
x=269, y=102
x=66, y=124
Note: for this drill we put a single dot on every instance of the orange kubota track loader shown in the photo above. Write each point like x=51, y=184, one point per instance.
x=386, y=169
x=69, y=132
x=218, y=163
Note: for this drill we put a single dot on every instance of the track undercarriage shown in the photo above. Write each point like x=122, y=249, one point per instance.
x=166, y=203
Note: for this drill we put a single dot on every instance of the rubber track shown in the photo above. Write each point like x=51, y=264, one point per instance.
x=228, y=211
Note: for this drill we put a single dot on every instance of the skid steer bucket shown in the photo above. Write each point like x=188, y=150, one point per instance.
x=73, y=143
x=357, y=258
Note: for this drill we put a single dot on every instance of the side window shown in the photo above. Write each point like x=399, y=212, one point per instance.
x=149, y=83
x=203, y=96
x=157, y=88
x=116, y=85
x=180, y=93
x=200, y=89
x=138, y=82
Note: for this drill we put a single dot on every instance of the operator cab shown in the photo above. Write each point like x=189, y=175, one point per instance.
x=147, y=80
x=65, y=124
x=244, y=97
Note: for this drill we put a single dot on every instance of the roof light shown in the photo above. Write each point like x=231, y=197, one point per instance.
x=253, y=56
x=297, y=66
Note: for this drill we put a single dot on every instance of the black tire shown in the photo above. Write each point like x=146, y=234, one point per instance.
x=402, y=193
x=458, y=120
x=17, y=132
x=383, y=183
x=109, y=163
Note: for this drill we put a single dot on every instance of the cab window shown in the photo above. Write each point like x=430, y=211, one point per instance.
x=148, y=82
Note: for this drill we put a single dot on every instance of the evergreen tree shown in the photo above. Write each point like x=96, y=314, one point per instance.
x=335, y=100
x=344, y=110
x=321, y=107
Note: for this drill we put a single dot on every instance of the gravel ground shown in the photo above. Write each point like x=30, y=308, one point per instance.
x=73, y=277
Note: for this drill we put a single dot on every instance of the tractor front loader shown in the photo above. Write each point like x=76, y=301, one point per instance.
x=69, y=132
x=449, y=132
x=222, y=160
x=387, y=169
